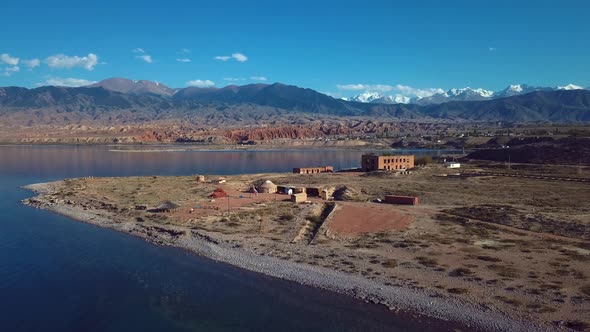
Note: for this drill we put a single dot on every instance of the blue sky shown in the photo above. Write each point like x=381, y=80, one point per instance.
x=337, y=47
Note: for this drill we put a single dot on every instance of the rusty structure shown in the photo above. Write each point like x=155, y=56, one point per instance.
x=371, y=162
x=403, y=200
x=313, y=170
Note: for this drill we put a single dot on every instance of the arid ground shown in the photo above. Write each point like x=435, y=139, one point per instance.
x=519, y=246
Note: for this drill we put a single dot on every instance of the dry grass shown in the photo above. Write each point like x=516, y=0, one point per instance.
x=525, y=240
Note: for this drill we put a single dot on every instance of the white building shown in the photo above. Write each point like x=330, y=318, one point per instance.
x=452, y=164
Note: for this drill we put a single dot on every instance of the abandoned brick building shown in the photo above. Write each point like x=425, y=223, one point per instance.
x=313, y=170
x=371, y=162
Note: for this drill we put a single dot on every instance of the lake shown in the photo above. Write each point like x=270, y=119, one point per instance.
x=57, y=274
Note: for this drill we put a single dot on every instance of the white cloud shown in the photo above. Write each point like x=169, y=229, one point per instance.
x=32, y=63
x=415, y=92
x=234, y=79
x=184, y=51
x=146, y=58
x=69, y=82
x=7, y=59
x=201, y=83
x=11, y=70
x=258, y=78
x=355, y=87
x=366, y=87
x=183, y=60
x=63, y=61
x=492, y=49
x=236, y=56
x=240, y=57
x=399, y=89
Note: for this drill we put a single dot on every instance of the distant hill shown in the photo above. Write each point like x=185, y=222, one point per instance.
x=571, y=150
x=124, y=85
x=140, y=101
x=548, y=106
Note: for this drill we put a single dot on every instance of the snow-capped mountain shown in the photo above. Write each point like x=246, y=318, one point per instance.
x=570, y=87
x=463, y=94
x=468, y=93
x=454, y=94
x=366, y=97
x=518, y=89
x=397, y=99
x=377, y=98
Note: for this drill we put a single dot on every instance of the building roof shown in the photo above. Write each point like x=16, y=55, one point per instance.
x=268, y=184
x=168, y=206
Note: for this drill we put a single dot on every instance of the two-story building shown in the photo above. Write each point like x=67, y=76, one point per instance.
x=371, y=162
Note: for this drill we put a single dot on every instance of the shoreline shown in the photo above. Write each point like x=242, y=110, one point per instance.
x=203, y=244
x=290, y=145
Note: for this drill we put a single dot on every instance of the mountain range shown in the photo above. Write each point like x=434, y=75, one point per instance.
x=125, y=101
x=462, y=94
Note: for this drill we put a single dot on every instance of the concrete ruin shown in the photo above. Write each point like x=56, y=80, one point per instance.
x=371, y=162
x=313, y=170
x=299, y=198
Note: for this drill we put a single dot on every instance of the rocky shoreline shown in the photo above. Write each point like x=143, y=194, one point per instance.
x=207, y=245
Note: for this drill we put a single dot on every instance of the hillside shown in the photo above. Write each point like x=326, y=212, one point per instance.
x=120, y=101
x=549, y=106
x=564, y=151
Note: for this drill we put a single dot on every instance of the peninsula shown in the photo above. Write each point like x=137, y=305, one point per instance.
x=489, y=246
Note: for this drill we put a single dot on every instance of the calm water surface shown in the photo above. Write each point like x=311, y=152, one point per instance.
x=60, y=275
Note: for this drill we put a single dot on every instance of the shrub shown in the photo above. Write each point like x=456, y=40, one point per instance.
x=504, y=271
x=488, y=259
x=461, y=272
x=390, y=263
x=314, y=219
x=429, y=262
x=457, y=290
x=286, y=217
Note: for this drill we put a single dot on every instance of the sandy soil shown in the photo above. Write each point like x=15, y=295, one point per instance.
x=353, y=219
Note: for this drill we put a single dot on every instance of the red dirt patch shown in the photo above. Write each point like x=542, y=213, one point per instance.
x=356, y=218
x=219, y=206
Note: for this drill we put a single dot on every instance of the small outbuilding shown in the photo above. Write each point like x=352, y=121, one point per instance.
x=403, y=200
x=327, y=193
x=166, y=206
x=267, y=187
x=200, y=178
x=299, y=198
x=313, y=170
x=289, y=190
